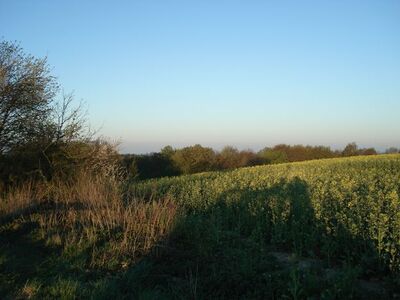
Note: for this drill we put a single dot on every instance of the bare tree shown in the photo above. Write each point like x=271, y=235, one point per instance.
x=70, y=121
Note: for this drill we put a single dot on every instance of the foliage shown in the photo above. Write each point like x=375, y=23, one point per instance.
x=194, y=159
x=228, y=158
x=149, y=166
x=272, y=156
x=351, y=149
x=301, y=153
x=41, y=136
x=27, y=92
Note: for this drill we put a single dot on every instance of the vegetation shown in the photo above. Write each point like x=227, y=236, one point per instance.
x=322, y=229
x=42, y=134
x=196, y=159
x=343, y=213
x=356, y=197
x=74, y=226
x=27, y=91
x=62, y=240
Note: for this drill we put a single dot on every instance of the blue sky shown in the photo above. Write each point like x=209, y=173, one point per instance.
x=246, y=73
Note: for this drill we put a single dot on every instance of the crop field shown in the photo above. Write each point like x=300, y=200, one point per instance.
x=323, y=229
x=340, y=212
x=352, y=202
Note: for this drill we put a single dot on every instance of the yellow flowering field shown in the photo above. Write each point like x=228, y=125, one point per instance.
x=336, y=209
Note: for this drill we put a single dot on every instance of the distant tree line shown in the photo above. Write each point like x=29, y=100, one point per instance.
x=195, y=159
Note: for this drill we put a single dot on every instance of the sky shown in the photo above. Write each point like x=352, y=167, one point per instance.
x=245, y=73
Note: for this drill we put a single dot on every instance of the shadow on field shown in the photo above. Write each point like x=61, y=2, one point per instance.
x=249, y=244
x=252, y=244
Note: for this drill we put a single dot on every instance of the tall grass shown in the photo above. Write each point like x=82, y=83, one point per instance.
x=91, y=212
x=20, y=199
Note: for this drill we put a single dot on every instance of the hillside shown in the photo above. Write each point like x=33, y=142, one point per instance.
x=324, y=229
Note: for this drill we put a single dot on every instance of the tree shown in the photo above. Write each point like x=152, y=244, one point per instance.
x=27, y=91
x=368, y=151
x=392, y=150
x=40, y=136
x=271, y=156
x=228, y=158
x=194, y=159
x=350, y=150
x=167, y=151
x=69, y=122
x=249, y=158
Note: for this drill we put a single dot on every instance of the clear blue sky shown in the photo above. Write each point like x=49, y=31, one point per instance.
x=246, y=73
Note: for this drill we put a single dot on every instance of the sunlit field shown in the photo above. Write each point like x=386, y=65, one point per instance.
x=326, y=229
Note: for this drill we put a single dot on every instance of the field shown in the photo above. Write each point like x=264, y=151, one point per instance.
x=323, y=229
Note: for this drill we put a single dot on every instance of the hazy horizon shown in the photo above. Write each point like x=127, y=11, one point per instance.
x=143, y=149
x=249, y=74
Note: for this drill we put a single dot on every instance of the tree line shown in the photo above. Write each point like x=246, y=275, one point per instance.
x=42, y=135
x=195, y=159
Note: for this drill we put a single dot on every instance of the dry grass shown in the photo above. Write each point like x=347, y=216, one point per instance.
x=90, y=211
x=21, y=199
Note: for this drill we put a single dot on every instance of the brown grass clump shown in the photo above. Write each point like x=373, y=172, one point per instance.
x=91, y=212
x=21, y=199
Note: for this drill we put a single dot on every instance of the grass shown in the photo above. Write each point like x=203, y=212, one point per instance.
x=314, y=230
x=73, y=231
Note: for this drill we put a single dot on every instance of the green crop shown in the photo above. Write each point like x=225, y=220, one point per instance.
x=343, y=208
